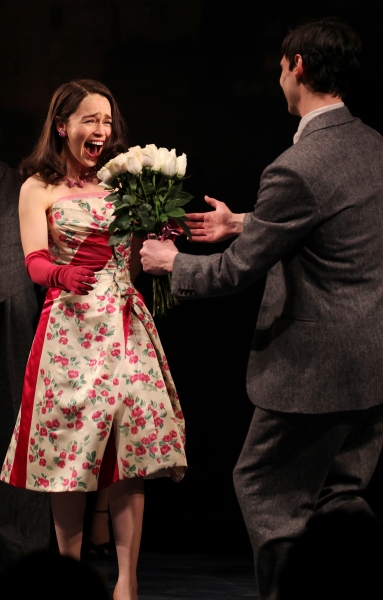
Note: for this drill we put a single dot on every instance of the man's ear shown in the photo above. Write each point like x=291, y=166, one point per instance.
x=299, y=68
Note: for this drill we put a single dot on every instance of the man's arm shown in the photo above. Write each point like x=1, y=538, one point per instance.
x=286, y=211
x=215, y=225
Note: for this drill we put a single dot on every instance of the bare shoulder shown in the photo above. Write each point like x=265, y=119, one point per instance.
x=35, y=193
x=32, y=184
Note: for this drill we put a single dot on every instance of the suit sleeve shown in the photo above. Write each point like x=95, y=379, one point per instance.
x=285, y=212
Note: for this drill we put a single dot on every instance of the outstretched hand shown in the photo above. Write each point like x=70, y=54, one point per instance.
x=216, y=225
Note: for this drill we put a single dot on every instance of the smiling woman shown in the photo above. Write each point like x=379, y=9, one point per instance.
x=85, y=132
x=82, y=112
x=99, y=407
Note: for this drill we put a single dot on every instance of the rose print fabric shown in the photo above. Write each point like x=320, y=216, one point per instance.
x=99, y=403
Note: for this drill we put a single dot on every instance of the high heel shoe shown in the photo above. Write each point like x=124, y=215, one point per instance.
x=99, y=550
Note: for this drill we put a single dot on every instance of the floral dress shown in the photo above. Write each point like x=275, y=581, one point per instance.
x=99, y=403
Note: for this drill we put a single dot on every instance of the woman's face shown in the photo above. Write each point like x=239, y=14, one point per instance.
x=87, y=130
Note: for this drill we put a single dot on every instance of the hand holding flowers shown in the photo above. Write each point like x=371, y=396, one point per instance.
x=146, y=185
x=157, y=257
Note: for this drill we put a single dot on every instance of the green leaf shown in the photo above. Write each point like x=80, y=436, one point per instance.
x=115, y=197
x=170, y=205
x=176, y=212
x=112, y=227
x=185, y=228
x=124, y=209
x=123, y=222
x=132, y=182
x=161, y=183
x=147, y=222
x=118, y=204
x=118, y=238
x=175, y=190
x=149, y=189
x=146, y=208
x=183, y=198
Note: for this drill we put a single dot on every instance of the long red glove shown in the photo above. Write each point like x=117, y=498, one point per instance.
x=70, y=278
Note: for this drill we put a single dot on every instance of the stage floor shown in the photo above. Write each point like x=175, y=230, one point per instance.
x=180, y=576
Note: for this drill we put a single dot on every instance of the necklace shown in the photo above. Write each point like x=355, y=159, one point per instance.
x=80, y=182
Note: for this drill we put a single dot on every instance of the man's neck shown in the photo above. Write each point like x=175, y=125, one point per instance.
x=312, y=102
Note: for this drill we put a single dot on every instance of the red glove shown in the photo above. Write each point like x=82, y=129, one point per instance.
x=70, y=278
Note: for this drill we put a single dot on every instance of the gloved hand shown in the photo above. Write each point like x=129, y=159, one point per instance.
x=75, y=279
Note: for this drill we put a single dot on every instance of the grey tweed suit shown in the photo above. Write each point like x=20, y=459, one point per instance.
x=24, y=515
x=315, y=371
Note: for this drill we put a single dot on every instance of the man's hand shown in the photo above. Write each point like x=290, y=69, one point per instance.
x=157, y=257
x=216, y=225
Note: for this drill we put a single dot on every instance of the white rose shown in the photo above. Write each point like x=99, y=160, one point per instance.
x=136, y=151
x=181, y=165
x=134, y=163
x=119, y=164
x=164, y=154
x=168, y=162
x=105, y=175
x=152, y=153
x=147, y=155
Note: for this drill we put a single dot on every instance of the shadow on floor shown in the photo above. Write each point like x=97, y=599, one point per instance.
x=195, y=577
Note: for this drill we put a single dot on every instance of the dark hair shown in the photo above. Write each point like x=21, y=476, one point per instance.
x=330, y=53
x=45, y=159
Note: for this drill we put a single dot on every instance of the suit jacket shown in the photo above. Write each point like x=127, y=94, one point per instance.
x=317, y=229
x=13, y=277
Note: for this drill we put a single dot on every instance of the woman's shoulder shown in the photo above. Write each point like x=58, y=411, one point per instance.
x=34, y=183
x=35, y=191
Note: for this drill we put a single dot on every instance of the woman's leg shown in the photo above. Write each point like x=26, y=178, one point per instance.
x=68, y=515
x=126, y=504
x=99, y=530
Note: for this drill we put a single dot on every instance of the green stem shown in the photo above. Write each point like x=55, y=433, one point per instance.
x=162, y=297
x=143, y=188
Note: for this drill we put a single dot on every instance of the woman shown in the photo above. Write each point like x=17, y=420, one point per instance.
x=99, y=406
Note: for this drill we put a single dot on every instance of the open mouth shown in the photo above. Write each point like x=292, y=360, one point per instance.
x=93, y=149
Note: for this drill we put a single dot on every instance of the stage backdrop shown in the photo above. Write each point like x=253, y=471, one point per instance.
x=203, y=79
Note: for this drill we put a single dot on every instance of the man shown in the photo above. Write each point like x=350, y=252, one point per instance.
x=315, y=372
x=24, y=515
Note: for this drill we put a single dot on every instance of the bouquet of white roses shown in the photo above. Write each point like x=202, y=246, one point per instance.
x=147, y=194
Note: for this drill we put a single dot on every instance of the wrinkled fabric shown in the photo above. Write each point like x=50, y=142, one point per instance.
x=99, y=403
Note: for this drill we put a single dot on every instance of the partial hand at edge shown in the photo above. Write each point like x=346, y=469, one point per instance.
x=157, y=257
x=216, y=225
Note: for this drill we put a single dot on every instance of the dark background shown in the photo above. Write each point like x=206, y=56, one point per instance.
x=204, y=79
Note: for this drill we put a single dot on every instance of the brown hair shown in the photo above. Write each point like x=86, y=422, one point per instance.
x=45, y=158
x=330, y=52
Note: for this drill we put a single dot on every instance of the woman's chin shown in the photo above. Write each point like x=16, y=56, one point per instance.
x=89, y=161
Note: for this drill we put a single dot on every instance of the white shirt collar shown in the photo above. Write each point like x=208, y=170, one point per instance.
x=314, y=113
